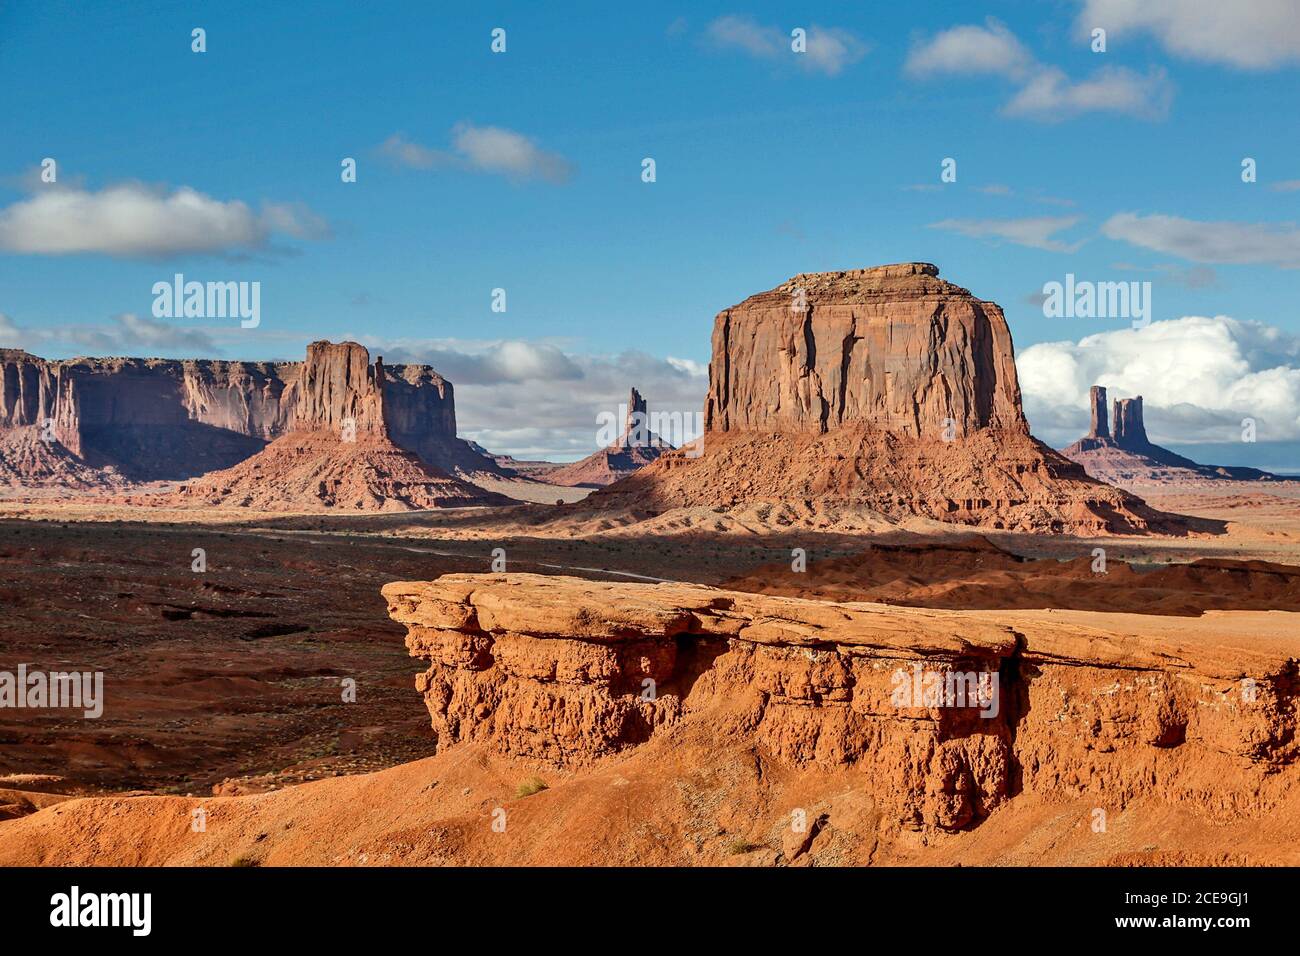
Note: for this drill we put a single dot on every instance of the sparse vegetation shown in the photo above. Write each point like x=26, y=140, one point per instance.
x=245, y=861
x=739, y=846
x=531, y=786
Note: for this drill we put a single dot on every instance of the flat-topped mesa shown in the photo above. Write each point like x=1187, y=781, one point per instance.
x=888, y=390
x=894, y=347
x=151, y=419
x=340, y=391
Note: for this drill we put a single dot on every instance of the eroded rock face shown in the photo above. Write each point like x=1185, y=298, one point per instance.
x=338, y=388
x=886, y=388
x=947, y=714
x=1099, y=426
x=340, y=453
x=150, y=419
x=1130, y=430
x=894, y=346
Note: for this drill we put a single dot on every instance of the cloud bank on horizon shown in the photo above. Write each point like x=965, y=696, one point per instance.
x=536, y=400
x=1199, y=377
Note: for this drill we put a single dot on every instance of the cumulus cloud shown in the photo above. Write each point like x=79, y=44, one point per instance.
x=991, y=49
x=127, y=334
x=1050, y=95
x=510, y=361
x=1198, y=376
x=1230, y=243
x=532, y=399
x=1254, y=35
x=485, y=149
x=1035, y=232
x=827, y=50
x=134, y=220
x=1044, y=92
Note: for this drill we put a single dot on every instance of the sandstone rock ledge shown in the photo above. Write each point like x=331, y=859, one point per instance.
x=560, y=670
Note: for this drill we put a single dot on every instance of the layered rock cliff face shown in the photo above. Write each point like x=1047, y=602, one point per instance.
x=339, y=389
x=895, y=346
x=943, y=716
x=884, y=387
x=148, y=419
x=141, y=419
x=1125, y=456
x=339, y=453
x=582, y=723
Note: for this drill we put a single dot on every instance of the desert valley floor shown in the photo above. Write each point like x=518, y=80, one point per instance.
x=224, y=691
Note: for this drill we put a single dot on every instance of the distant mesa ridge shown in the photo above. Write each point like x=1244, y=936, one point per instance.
x=161, y=419
x=340, y=452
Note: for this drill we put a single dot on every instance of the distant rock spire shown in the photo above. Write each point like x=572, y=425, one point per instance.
x=1130, y=432
x=1100, y=427
x=636, y=429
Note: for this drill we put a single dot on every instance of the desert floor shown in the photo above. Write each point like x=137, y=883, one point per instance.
x=231, y=681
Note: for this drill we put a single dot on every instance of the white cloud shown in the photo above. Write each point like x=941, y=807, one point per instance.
x=1035, y=232
x=970, y=49
x=509, y=361
x=831, y=49
x=1049, y=94
x=743, y=33
x=1044, y=91
x=1233, y=243
x=136, y=220
x=487, y=149
x=532, y=399
x=400, y=150
x=827, y=50
x=1199, y=377
x=1253, y=35
x=496, y=150
x=128, y=334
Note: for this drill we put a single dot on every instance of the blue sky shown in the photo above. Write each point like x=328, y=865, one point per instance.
x=522, y=171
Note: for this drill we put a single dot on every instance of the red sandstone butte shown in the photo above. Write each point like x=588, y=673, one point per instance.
x=85, y=422
x=888, y=388
x=339, y=453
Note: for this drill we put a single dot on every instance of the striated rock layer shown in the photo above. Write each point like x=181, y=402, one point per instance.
x=944, y=716
x=339, y=453
x=582, y=723
x=152, y=419
x=894, y=346
x=888, y=387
